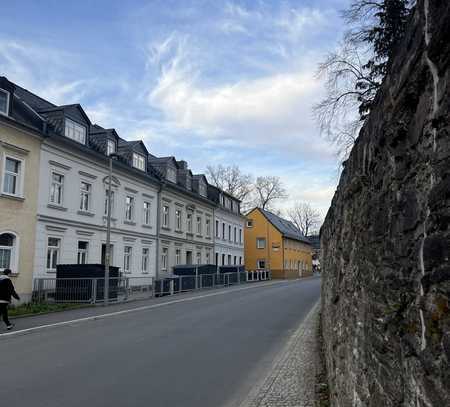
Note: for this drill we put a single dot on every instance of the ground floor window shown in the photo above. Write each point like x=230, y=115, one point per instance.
x=235, y=260
x=145, y=259
x=223, y=260
x=164, y=254
x=177, y=256
x=82, y=255
x=229, y=259
x=261, y=264
x=7, y=250
x=53, y=250
x=207, y=257
x=240, y=260
x=127, y=253
x=199, y=258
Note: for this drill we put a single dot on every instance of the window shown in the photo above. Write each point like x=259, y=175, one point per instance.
x=127, y=253
x=110, y=147
x=208, y=227
x=177, y=256
x=261, y=264
x=129, y=208
x=188, y=257
x=240, y=236
x=85, y=195
x=75, y=131
x=164, y=254
x=139, y=161
x=145, y=259
x=202, y=189
x=261, y=243
x=199, y=258
x=234, y=260
x=223, y=260
x=106, y=202
x=147, y=213
x=165, y=219
x=7, y=245
x=229, y=233
x=4, y=102
x=235, y=234
x=208, y=257
x=229, y=259
x=249, y=223
x=223, y=230
x=240, y=260
x=217, y=259
x=199, y=225
x=12, y=178
x=178, y=219
x=53, y=247
x=171, y=174
x=56, y=189
x=82, y=254
x=188, y=182
x=217, y=228
x=189, y=222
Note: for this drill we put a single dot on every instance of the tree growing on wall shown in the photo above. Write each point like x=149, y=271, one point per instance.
x=356, y=70
x=305, y=217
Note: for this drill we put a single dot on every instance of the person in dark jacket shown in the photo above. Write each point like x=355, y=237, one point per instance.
x=6, y=292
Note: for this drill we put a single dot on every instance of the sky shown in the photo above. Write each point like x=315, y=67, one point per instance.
x=207, y=81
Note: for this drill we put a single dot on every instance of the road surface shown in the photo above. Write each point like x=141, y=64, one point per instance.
x=209, y=351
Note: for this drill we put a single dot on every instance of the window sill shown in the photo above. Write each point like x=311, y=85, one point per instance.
x=14, y=197
x=105, y=218
x=50, y=271
x=180, y=232
x=85, y=213
x=147, y=226
x=57, y=207
x=200, y=236
x=128, y=222
x=189, y=234
x=165, y=228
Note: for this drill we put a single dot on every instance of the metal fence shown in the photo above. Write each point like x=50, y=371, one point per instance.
x=122, y=289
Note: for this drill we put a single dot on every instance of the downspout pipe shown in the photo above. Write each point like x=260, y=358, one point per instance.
x=158, y=227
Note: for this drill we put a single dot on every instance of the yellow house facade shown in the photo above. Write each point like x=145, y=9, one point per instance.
x=19, y=168
x=275, y=244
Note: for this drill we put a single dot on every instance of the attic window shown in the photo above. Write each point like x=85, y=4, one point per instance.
x=202, y=189
x=188, y=182
x=4, y=102
x=139, y=161
x=75, y=131
x=171, y=174
x=110, y=147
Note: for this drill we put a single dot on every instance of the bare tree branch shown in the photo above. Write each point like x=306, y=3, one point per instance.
x=306, y=218
x=267, y=191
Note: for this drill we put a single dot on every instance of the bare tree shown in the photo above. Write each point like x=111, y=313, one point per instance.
x=305, y=217
x=268, y=190
x=232, y=180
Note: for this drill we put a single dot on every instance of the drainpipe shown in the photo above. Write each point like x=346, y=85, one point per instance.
x=158, y=226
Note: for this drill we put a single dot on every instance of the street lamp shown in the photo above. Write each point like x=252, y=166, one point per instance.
x=108, y=232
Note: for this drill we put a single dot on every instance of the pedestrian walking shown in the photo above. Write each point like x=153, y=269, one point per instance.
x=6, y=292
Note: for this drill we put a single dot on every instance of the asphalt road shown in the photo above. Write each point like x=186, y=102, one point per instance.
x=205, y=352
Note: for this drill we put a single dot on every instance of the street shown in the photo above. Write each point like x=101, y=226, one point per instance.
x=208, y=352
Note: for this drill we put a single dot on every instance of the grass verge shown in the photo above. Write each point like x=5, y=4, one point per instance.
x=40, y=308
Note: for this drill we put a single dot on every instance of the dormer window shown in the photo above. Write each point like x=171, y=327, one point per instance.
x=4, y=102
x=110, y=147
x=188, y=183
x=75, y=131
x=171, y=174
x=202, y=189
x=139, y=161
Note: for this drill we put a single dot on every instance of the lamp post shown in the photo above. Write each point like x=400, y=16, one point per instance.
x=108, y=232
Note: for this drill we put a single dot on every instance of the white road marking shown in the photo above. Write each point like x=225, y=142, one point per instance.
x=127, y=311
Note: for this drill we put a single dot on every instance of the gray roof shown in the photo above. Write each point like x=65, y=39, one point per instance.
x=285, y=227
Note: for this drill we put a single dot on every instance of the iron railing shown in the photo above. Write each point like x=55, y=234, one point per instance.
x=122, y=289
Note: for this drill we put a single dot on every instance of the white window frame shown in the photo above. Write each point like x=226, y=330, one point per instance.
x=198, y=257
x=83, y=252
x=199, y=225
x=147, y=213
x=20, y=175
x=85, y=193
x=78, y=136
x=260, y=240
x=60, y=184
x=249, y=223
x=113, y=194
x=55, y=251
x=164, y=258
x=145, y=263
x=177, y=256
x=178, y=220
x=139, y=161
x=207, y=257
x=258, y=264
x=110, y=147
x=165, y=216
x=189, y=222
x=208, y=227
x=129, y=208
x=127, y=259
x=7, y=102
x=14, y=251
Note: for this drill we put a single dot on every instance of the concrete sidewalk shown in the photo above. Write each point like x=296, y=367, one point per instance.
x=291, y=382
x=27, y=324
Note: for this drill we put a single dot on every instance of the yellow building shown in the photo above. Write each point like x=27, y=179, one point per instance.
x=275, y=244
x=20, y=143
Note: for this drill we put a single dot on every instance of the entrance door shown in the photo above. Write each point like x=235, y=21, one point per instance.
x=188, y=257
x=103, y=260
